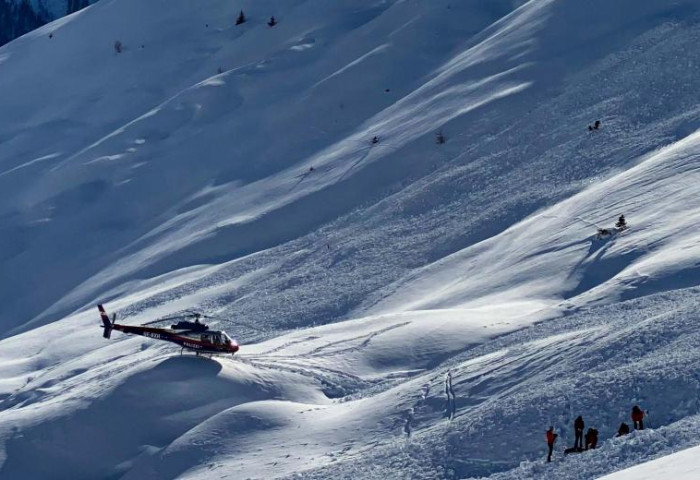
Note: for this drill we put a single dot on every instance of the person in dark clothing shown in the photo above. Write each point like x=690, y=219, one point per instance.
x=241, y=18
x=591, y=438
x=638, y=418
x=551, y=438
x=623, y=430
x=272, y=22
x=375, y=140
x=596, y=125
x=578, y=432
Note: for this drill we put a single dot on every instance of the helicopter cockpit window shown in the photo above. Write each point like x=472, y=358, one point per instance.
x=217, y=339
x=227, y=339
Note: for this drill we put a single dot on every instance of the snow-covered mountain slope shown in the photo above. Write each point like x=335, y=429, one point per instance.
x=681, y=466
x=229, y=169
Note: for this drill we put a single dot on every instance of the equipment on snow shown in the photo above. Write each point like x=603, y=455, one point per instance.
x=241, y=18
x=272, y=22
x=623, y=430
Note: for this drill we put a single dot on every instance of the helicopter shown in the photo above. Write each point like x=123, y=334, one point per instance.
x=194, y=336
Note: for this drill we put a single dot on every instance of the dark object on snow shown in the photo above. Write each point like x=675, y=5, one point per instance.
x=621, y=223
x=551, y=438
x=623, y=430
x=51, y=35
x=375, y=140
x=603, y=232
x=311, y=169
x=573, y=450
x=118, y=47
x=241, y=18
x=595, y=126
x=440, y=138
x=578, y=432
x=638, y=418
x=272, y=22
x=591, y=438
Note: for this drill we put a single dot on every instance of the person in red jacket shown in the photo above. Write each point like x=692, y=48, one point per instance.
x=551, y=438
x=638, y=418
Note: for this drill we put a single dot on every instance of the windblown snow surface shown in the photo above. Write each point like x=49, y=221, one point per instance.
x=421, y=310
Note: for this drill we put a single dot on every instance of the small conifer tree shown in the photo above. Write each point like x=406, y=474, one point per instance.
x=621, y=223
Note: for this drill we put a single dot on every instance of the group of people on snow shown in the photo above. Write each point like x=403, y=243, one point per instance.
x=619, y=227
x=590, y=439
x=595, y=126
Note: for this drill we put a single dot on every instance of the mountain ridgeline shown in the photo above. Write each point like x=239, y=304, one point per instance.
x=18, y=17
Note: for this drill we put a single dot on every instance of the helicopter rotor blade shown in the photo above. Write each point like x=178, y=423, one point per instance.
x=174, y=317
x=233, y=322
x=192, y=314
x=151, y=323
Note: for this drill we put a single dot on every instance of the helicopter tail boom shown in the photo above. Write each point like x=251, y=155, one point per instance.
x=106, y=323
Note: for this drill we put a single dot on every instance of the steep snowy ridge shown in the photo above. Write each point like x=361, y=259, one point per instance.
x=422, y=310
x=18, y=17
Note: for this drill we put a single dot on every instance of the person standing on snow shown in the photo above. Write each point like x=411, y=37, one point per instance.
x=578, y=432
x=551, y=438
x=638, y=418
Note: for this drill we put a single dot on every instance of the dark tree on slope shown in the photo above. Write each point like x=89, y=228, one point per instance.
x=18, y=18
x=241, y=18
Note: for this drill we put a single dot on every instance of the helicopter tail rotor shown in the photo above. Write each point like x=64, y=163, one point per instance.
x=106, y=323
